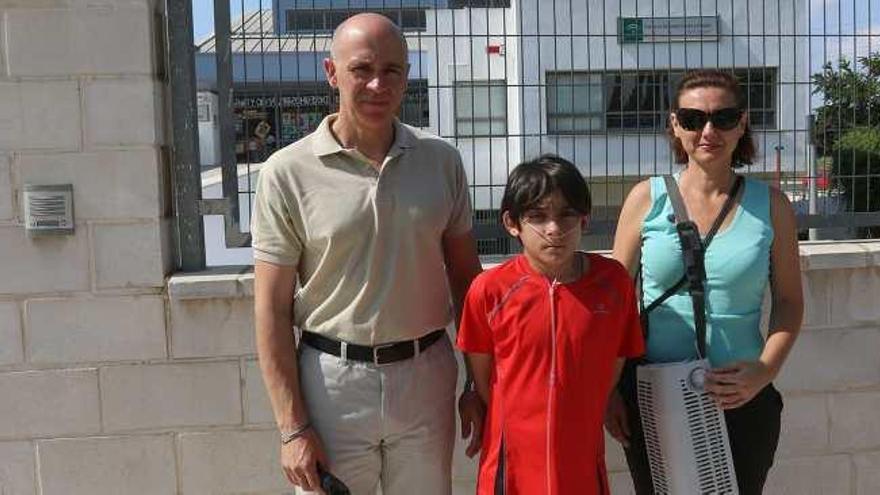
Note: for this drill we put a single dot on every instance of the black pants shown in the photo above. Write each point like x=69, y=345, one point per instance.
x=753, y=430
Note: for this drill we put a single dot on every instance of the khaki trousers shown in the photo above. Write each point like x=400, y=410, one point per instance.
x=390, y=426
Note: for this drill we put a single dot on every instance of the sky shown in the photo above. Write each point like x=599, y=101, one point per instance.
x=857, y=20
x=203, y=14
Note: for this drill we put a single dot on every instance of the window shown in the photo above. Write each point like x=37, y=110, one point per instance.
x=480, y=108
x=501, y=245
x=638, y=100
x=584, y=102
x=297, y=108
x=325, y=21
x=414, y=109
x=760, y=84
x=412, y=19
x=460, y=4
x=407, y=19
x=305, y=20
x=337, y=17
x=574, y=102
x=204, y=110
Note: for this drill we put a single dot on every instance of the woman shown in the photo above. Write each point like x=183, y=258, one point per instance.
x=756, y=244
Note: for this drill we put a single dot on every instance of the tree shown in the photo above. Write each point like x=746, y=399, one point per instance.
x=847, y=131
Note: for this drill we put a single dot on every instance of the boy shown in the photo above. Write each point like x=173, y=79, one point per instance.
x=545, y=334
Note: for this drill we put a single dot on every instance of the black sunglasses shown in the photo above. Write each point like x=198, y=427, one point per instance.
x=692, y=119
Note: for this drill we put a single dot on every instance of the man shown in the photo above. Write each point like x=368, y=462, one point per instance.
x=370, y=218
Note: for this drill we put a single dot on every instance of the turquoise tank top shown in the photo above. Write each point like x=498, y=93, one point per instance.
x=737, y=273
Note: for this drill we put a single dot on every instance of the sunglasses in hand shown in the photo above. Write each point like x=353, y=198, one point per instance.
x=692, y=119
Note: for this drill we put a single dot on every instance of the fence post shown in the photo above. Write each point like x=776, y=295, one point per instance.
x=813, y=206
x=186, y=171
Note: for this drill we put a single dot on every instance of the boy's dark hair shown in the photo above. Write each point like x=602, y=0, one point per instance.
x=744, y=154
x=531, y=181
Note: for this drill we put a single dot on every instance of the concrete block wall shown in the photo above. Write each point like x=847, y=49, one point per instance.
x=114, y=381
x=81, y=103
x=831, y=436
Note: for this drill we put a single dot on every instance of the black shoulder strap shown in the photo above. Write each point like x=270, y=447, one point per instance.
x=681, y=214
x=693, y=252
x=680, y=210
x=678, y=207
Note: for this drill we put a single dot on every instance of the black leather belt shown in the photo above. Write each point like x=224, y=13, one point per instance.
x=380, y=354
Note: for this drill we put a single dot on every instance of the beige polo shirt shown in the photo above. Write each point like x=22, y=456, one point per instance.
x=366, y=243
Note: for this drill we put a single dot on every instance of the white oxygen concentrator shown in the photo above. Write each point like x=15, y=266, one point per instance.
x=685, y=432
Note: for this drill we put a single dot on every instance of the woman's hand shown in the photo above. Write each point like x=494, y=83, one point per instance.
x=734, y=385
x=616, y=419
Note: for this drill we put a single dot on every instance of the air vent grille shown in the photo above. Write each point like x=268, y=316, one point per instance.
x=48, y=209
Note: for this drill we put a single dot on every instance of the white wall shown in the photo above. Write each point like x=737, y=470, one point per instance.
x=487, y=160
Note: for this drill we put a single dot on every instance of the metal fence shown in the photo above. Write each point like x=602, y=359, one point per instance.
x=506, y=80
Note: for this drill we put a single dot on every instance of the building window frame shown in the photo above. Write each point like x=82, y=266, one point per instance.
x=479, y=4
x=635, y=87
x=562, y=123
x=415, y=107
x=470, y=119
x=292, y=17
x=329, y=19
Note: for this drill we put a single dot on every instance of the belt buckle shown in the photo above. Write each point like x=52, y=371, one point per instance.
x=377, y=349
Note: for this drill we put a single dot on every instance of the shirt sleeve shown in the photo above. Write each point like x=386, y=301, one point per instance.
x=460, y=216
x=474, y=332
x=274, y=237
x=632, y=343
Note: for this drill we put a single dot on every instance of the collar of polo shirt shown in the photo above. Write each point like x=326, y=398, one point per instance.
x=326, y=144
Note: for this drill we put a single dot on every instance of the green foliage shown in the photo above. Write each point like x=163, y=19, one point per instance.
x=862, y=139
x=847, y=130
x=856, y=168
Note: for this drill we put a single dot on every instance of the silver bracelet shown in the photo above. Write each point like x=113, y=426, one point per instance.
x=289, y=436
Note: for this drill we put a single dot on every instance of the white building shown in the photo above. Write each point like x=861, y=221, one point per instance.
x=562, y=77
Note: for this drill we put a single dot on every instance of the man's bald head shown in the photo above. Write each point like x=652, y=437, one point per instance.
x=368, y=65
x=374, y=26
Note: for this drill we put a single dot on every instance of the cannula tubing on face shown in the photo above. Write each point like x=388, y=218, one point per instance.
x=552, y=238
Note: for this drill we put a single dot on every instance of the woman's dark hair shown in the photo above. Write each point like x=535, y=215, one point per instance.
x=744, y=153
x=532, y=181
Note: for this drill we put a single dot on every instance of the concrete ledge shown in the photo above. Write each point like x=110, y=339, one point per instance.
x=839, y=254
x=235, y=281
x=238, y=281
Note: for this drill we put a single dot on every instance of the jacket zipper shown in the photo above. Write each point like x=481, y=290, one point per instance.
x=551, y=384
